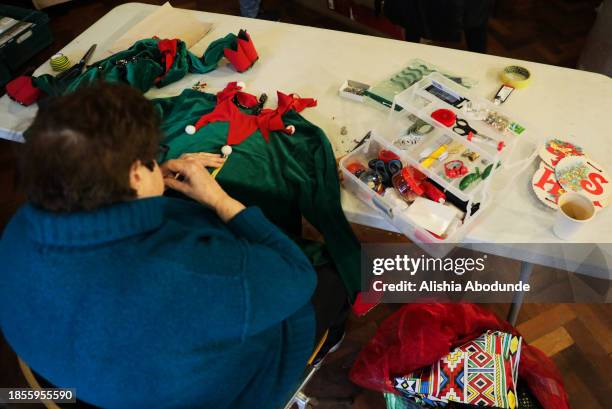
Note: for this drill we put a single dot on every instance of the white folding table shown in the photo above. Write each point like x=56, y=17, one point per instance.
x=312, y=62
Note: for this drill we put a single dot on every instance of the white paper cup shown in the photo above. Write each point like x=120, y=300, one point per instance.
x=575, y=210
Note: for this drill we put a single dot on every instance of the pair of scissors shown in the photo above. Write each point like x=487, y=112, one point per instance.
x=77, y=69
x=463, y=128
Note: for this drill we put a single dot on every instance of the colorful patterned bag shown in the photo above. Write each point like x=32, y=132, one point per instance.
x=482, y=372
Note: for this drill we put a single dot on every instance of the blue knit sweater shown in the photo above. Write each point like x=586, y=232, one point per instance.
x=156, y=303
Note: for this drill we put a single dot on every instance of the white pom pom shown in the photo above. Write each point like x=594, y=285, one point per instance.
x=226, y=150
x=290, y=129
x=190, y=129
x=241, y=84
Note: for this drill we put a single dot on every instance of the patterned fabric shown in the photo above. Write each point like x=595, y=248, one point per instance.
x=482, y=372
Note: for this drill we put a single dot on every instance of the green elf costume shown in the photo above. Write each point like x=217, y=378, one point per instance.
x=156, y=62
x=279, y=161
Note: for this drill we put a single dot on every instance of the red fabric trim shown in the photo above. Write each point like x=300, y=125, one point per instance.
x=168, y=54
x=246, y=100
x=243, y=125
x=238, y=59
x=270, y=120
x=288, y=102
x=246, y=45
x=231, y=89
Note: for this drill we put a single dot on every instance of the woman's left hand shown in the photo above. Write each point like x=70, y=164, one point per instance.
x=209, y=160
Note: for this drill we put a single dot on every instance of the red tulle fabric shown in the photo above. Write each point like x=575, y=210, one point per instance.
x=242, y=125
x=420, y=334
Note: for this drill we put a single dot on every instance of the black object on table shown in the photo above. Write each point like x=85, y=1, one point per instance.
x=15, y=52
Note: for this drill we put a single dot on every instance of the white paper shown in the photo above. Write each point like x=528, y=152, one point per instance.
x=166, y=23
x=431, y=215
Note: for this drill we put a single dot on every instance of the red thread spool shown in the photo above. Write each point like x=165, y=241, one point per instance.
x=407, y=182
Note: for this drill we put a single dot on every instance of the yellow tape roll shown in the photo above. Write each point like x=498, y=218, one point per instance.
x=59, y=62
x=516, y=76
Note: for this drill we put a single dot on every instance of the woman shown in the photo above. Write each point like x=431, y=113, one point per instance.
x=142, y=301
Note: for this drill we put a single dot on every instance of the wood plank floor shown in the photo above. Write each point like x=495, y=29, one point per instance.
x=575, y=336
x=578, y=337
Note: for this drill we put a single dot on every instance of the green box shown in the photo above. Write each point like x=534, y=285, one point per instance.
x=24, y=46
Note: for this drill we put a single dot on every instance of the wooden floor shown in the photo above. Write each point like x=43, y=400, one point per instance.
x=578, y=337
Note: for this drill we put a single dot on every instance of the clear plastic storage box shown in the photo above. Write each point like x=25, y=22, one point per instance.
x=465, y=146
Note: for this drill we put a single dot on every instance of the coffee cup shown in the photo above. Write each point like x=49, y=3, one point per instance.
x=574, y=211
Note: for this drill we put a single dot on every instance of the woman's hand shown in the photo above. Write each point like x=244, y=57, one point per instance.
x=194, y=181
x=209, y=160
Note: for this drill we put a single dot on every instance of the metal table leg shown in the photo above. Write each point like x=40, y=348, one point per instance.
x=517, y=300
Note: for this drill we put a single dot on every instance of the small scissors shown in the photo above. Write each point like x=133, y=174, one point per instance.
x=77, y=69
x=463, y=128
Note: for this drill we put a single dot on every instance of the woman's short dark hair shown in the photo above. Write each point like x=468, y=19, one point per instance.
x=81, y=146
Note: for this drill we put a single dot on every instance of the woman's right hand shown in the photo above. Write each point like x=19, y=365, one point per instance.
x=196, y=182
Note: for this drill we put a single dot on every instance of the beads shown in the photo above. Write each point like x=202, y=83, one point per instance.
x=497, y=121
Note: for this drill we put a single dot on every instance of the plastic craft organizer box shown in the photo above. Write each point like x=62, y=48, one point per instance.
x=16, y=52
x=416, y=103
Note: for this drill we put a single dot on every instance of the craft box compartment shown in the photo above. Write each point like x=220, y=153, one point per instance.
x=353, y=90
x=519, y=137
x=474, y=109
x=396, y=213
x=414, y=107
x=18, y=50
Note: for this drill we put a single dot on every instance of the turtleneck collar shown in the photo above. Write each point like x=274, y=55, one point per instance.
x=108, y=223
